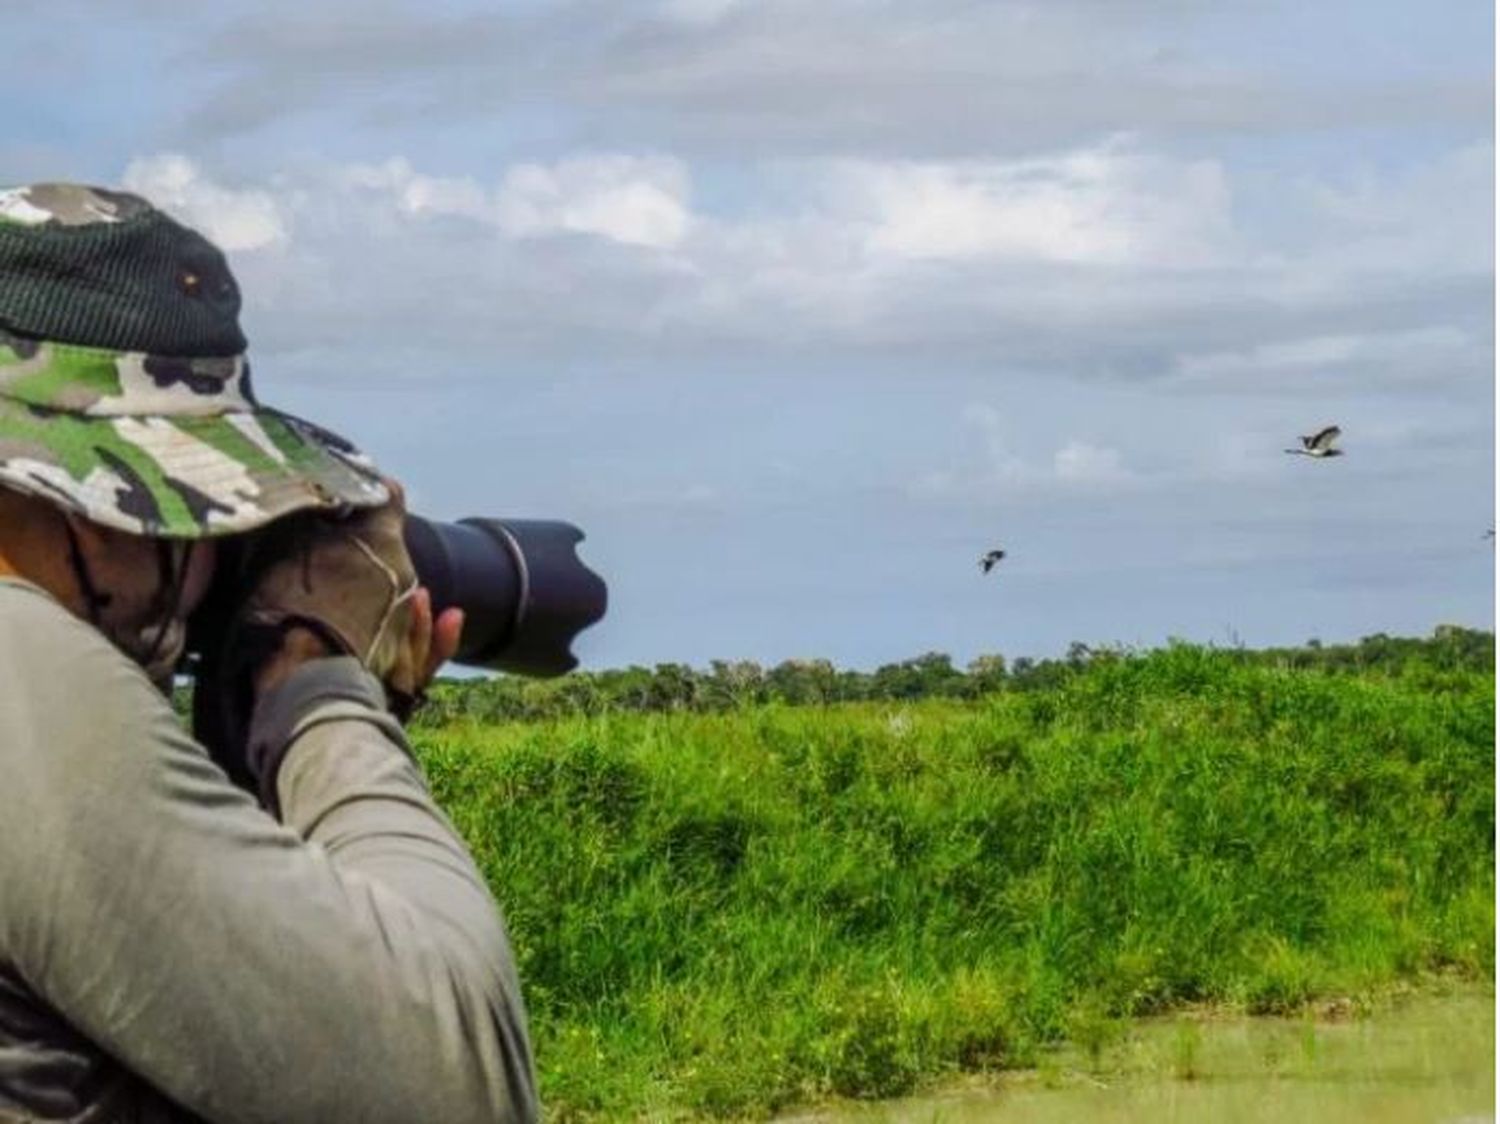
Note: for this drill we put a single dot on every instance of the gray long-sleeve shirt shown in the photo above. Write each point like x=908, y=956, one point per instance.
x=170, y=952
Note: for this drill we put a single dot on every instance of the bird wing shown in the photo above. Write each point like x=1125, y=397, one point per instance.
x=1324, y=438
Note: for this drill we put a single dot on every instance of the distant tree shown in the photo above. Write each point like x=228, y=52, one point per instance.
x=802, y=681
x=1038, y=675
x=852, y=686
x=579, y=694
x=673, y=687
x=931, y=673
x=986, y=673
x=733, y=683
x=631, y=688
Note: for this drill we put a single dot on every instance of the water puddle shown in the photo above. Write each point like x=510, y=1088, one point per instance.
x=1429, y=1059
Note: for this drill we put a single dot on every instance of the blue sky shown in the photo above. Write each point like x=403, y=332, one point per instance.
x=797, y=308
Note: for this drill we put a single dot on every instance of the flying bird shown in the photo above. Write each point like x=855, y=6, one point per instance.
x=988, y=559
x=1320, y=444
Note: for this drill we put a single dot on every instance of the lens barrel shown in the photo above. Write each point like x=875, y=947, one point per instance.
x=524, y=592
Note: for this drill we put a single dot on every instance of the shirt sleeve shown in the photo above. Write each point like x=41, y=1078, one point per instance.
x=345, y=964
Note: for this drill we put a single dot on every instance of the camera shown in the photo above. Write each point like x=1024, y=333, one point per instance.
x=522, y=588
x=524, y=592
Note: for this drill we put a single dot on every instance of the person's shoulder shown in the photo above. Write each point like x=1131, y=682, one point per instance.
x=32, y=621
x=66, y=695
x=45, y=648
x=20, y=595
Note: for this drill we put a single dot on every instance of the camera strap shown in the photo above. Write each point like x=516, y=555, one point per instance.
x=96, y=601
x=171, y=569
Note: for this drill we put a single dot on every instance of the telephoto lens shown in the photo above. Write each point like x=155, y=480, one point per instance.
x=524, y=592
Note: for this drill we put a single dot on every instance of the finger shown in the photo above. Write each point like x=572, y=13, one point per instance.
x=421, y=621
x=447, y=630
x=418, y=641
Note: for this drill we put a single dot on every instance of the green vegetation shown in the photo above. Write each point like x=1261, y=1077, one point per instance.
x=732, y=684
x=733, y=909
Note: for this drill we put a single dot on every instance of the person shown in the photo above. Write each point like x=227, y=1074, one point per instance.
x=316, y=945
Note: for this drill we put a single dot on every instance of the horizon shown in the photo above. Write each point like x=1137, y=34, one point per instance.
x=458, y=673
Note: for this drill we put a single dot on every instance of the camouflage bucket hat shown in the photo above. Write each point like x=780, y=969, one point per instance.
x=124, y=389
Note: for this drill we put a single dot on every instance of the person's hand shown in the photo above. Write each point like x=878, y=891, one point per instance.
x=429, y=645
x=347, y=587
x=307, y=587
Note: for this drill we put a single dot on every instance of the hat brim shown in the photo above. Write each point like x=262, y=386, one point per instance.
x=182, y=476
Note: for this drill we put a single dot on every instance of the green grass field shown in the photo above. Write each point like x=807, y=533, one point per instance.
x=730, y=913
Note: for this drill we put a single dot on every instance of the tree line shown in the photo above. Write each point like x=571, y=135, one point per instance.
x=731, y=684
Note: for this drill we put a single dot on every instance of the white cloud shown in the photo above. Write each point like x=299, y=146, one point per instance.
x=233, y=219
x=634, y=200
x=991, y=464
x=1419, y=225
x=1108, y=205
x=1081, y=463
x=637, y=200
x=1112, y=260
x=783, y=78
x=1411, y=356
x=1436, y=212
x=698, y=13
x=445, y=196
x=412, y=193
x=998, y=463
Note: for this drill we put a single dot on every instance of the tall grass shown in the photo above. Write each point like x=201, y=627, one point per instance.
x=729, y=913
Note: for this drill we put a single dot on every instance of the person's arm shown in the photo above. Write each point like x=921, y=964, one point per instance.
x=346, y=965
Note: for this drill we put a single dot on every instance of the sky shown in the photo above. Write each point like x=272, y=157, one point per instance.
x=797, y=307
